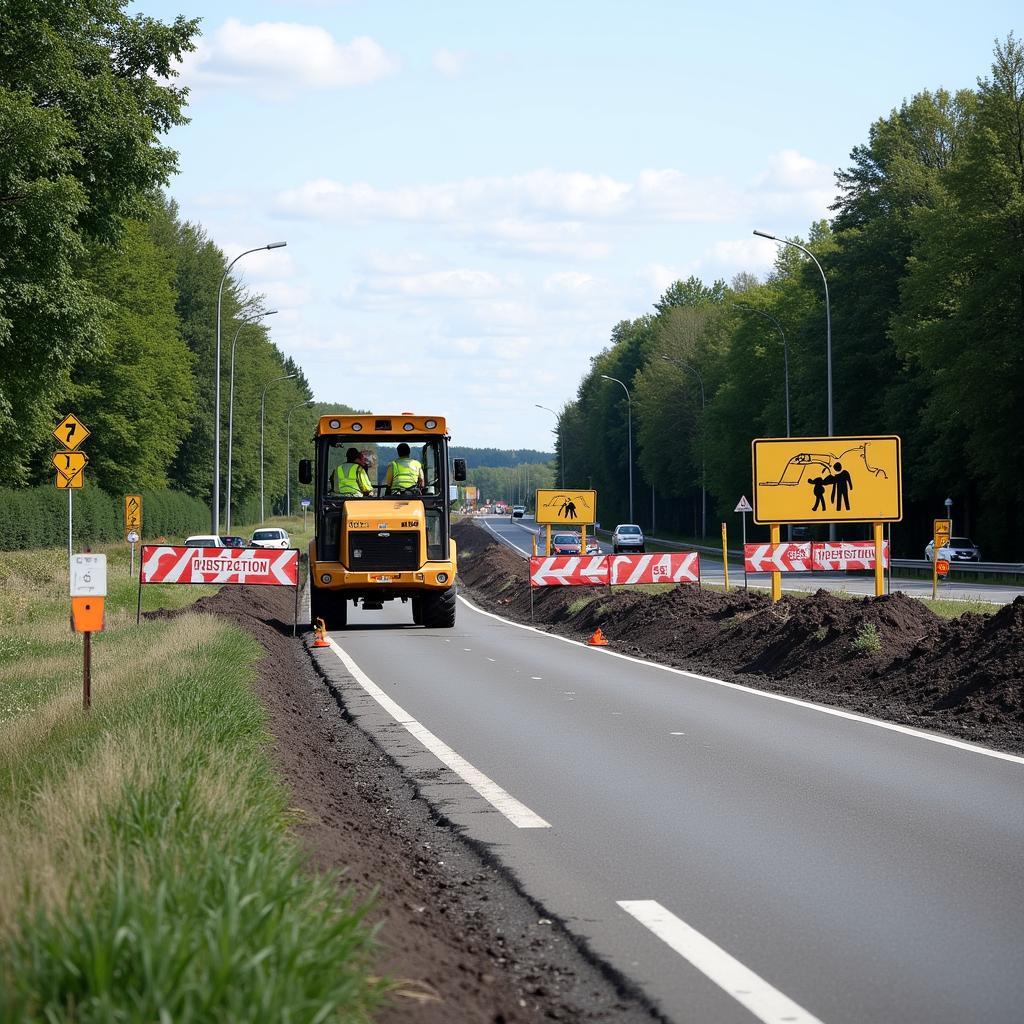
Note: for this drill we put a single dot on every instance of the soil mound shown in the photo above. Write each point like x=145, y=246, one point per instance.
x=889, y=657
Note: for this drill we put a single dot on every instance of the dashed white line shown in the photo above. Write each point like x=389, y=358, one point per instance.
x=764, y=1001
x=518, y=813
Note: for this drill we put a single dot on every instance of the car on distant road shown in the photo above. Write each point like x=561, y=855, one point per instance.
x=518, y=511
x=569, y=544
x=204, y=540
x=270, y=537
x=958, y=549
x=627, y=537
x=234, y=542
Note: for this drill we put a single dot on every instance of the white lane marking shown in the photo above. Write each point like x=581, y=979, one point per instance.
x=766, y=1003
x=505, y=540
x=677, y=734
x=518, y=813
x=850, y=716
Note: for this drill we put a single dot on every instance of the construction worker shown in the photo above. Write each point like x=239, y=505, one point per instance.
x=405, y=474
x=351, y=478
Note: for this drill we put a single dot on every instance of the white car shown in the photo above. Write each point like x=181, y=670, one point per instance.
x=204, y=540
x=518, y=511
x=270, y=537
x=628, y=537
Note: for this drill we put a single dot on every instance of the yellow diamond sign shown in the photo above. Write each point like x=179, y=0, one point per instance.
x=827, y=480
x=71, y=432
x=566, y=507
x=70, y=465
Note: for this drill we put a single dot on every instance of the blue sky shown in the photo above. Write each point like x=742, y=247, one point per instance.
x=473, y=194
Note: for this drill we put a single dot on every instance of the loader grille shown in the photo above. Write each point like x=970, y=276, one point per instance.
x=383, y=551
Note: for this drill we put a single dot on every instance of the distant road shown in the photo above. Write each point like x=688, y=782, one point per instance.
x=518, y=534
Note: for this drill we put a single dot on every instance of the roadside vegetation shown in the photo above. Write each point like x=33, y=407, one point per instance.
x=147, y=870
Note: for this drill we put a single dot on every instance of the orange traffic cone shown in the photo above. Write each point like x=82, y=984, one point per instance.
x=598, y=639
x=320, y=634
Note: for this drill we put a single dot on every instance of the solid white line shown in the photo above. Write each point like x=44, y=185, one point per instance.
x=519, y=814
x=766, y=1003
x=505, y=540
x=945, y=741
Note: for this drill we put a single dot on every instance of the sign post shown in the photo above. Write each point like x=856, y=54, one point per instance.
x=744, y=506
x=305, y=503
x=69, y=463
x=941, y=529
x=133, y=539
x=725, y=556
x=88, y=590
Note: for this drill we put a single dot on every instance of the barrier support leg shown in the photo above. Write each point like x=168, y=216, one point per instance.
x=725, y=556
x=775, y=536
x=547, y=541
x=879, y=529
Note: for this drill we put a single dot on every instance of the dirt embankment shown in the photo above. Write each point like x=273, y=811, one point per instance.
x=888, y=657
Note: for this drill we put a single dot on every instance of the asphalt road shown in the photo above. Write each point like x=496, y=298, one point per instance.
x=519, y=534
x=737, y=856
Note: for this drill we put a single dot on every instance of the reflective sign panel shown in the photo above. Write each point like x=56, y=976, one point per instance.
x=566, y=507
x=827, y=480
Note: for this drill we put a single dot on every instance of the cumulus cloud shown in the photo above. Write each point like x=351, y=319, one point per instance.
x=449, y=63
x=281, y=56
x=435, y=284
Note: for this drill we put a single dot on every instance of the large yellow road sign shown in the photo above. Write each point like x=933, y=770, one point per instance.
x=566, y=508
x=70, y=467
x=63, y=483
x=827, y=480
x=71, y=432
x=132, y=512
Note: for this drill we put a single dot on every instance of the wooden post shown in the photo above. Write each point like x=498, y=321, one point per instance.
x=535, y=545
x=725, y=556
x=547, y=541
x=879, y=529
x=774, y=538
x=583, y=540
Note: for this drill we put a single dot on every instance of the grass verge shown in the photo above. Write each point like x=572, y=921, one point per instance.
x=147, y=871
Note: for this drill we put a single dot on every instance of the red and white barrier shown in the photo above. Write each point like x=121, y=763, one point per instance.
x=259, y=566
x=568, y=571
x=614, y=570
x=814, y=556
x=656, y=568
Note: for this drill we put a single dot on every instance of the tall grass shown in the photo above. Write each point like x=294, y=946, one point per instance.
x=147, y=872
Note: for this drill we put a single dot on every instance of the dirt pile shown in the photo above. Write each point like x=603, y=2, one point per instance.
x=889, y=657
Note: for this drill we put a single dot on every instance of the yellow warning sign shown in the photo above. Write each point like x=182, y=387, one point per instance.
x=63, y=483
x=70, y=466
x=566, y=508
x=942, y=529
x=132, y=512
x=827, y=480
x=71, y=432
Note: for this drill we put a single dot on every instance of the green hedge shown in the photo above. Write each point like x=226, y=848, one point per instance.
x=37, y=517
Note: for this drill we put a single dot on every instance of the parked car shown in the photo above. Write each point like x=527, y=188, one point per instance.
x=518, y=511
x=959, y=549
x=270, y=537
x=569, y=544
x=204, y=540
x=234, y=542
x=627, y=537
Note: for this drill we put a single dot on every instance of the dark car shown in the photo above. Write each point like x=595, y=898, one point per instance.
x=234, y=542
x=569, y=544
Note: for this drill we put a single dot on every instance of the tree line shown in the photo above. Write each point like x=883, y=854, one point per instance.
x=924, y=258
x=107, y=296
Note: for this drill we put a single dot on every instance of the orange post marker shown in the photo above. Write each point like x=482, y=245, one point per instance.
x=598, y=639
x=87, y=614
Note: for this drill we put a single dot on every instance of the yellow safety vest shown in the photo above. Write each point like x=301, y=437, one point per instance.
x=404, y=473
x=351, y=478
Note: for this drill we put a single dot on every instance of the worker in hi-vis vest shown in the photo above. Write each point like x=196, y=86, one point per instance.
x=405, y=474
x=351, y=477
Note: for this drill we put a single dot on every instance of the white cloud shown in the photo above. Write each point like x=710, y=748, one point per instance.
x=278, y=57
x=570, y=284
x=435, y=284
x=794, y=185
x=511, y=236
x=755, y=255
x=449, y=63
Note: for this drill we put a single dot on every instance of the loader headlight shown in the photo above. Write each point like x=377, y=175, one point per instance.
x=335, y=424
x=442, y=577
x=325, y=577
x=408, y=426
x=430, y=424
x=357, y=427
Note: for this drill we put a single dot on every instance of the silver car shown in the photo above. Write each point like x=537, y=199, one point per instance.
x=270, y=537
x=627, y=537
x=956, y=549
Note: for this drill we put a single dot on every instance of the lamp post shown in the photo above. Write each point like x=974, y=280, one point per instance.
x=703, y=476
x=629, y=436
x=558, y=434
x=216, y=389
x=828, y=318
x=785, y=353
x=231, y=410
x=263, y=403
x=288, y=457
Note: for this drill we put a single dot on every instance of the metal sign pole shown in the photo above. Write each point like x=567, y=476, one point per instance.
x=725, y=556
x=879, y=559
x=71, y=494
x=744, y=514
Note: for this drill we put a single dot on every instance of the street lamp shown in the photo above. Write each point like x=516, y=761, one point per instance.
x=703, y=477
x=216, y=390
x=231, y=410
x=288, y=457
x=263, y=403
x=785, y=352
x=558, y=434
x=629, y=437
x=828, y=318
